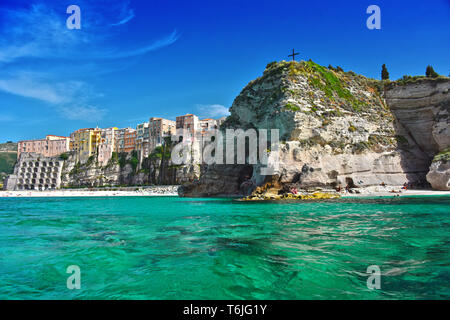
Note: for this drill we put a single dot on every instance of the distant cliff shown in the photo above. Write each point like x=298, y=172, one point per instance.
x=8, y=157
x=337, y=128
x=123, y=170
x=34, y=172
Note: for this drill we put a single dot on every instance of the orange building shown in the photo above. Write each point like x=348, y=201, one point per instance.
x=129, y=138
x=126, y=140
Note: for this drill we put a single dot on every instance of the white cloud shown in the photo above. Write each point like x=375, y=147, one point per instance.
x=70, y=99
x=37, y=50
x=163, y=42
x=212, y=111
x=30, y=89
x=129, y=15
x=82, y=112
x=40, y=32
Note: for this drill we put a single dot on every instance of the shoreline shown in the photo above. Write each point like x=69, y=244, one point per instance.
x=386, y=191
x=165, y=191
x=156, y=191
x=404, y=193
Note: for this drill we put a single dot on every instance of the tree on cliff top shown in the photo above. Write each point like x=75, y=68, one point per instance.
x=430, y=73
x=384, y=73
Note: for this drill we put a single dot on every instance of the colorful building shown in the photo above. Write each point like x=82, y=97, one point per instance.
x=107, y=145
x=142, y=140
x=187, y=126
x=126, y=140
x=85, y=142
x=160, y=128
x=49, y=147
x=206, y=125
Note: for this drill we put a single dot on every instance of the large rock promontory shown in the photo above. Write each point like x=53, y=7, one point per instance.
x=337, y=128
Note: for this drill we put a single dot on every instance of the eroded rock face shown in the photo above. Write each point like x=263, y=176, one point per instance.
x=439, y=175
x=336, y=129
x=422, y=109
x=218, y=180
x=95, y=175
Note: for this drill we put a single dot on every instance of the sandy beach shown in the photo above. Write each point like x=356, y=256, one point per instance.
x=172, y=191
x=145, y=192
x=379, y=191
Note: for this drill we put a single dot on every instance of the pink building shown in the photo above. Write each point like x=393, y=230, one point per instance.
x=49, y=147
x=107, y=145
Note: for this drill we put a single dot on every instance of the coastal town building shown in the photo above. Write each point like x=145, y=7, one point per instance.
x=107, y=145
x=142, y=140
x=48, y=147
x=220, y=121
x=187, y=126
x=35, y=172
x=208, y=125
x=84, y=143
x=159, y=128
x=126, y=140
x=100, y=144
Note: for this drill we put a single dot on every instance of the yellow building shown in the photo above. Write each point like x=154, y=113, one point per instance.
x=85, y=142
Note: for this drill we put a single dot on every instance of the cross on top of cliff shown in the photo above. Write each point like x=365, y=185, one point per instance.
x=293, y=54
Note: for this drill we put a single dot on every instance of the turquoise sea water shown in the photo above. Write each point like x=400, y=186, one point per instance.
x=175, y=248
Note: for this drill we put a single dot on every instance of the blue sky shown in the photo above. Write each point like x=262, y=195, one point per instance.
x=135, y=59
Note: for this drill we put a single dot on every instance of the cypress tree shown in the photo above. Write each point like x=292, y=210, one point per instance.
x=384, y=73
x=430, y=73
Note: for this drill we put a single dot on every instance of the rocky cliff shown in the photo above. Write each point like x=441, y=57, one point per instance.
x=439, y=174
x=125, y=170
x=422, y=109
x=337, y=128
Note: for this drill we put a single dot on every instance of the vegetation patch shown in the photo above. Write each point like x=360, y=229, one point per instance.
x=442, y=156
x=291, y=107
x=7, y=161
x=406, y=79
x=328, y=81
x=76, y=169
x=315, y=140
x=401, y=140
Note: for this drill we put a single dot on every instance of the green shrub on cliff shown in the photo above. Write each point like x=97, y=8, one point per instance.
x=401, y=140
x=134, y=163
x=271, y=64
x=122, y=159
x=327, y=81
x=443, y=155
x=291, y=107
x=7, y=161
x=430, y=73
x=76, y=169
